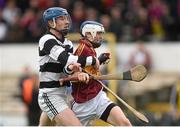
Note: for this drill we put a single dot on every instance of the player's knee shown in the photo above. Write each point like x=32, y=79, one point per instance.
x=124, y=122
x=45, y=121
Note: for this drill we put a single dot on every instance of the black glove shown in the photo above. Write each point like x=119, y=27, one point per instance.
x=104, y=58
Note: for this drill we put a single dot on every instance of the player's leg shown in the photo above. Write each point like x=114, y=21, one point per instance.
x=85, y=112
x=117, y=117
x=67, y=117
x=110, y=112
x=60, y=119
x=54, y=104
x=45, y=121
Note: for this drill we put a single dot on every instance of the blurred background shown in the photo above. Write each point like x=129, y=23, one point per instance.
x=137, y=32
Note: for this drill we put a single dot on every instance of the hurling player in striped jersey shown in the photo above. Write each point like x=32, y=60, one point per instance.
x=56, y=61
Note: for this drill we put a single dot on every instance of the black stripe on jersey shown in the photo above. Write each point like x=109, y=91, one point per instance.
x=68, y=49
x=41, y=53
x=52, y=84
x=48, y=45
x=63, y=57
x=51, y=67
x=93, y=61
x=82, y=61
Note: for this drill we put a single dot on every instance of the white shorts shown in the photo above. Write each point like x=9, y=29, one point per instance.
x=92, y=109
x=53, y=100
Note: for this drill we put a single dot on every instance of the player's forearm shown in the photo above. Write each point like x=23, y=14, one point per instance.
x=84, y=61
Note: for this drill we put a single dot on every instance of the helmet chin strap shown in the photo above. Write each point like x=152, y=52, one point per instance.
x=54, y=23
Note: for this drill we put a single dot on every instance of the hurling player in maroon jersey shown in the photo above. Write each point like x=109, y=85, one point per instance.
x=90, y=101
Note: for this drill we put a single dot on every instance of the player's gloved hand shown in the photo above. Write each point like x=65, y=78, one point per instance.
x=104, y=58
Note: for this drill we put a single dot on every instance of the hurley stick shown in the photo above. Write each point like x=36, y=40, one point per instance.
x=136, y=113
x=137, y=73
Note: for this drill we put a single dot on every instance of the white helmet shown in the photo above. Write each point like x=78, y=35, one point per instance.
x=91, y=27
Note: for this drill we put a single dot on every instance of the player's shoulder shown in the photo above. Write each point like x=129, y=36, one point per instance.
x=68, y=42
x=46, y=37
x=80, y=48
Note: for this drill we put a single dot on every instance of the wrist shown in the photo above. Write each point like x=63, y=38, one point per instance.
x=69, y=68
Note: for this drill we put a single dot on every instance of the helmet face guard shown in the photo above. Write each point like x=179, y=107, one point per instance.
x=93, y=28
x=52, y=14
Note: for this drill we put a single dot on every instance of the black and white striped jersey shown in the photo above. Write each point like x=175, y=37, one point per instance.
x=54, y=58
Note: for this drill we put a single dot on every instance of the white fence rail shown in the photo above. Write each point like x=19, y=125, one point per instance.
x=165, y=56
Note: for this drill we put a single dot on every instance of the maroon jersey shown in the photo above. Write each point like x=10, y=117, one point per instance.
x=83, y=92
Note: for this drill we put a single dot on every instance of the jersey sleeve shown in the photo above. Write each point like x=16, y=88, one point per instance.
x=48, y=45
x=84, y=50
